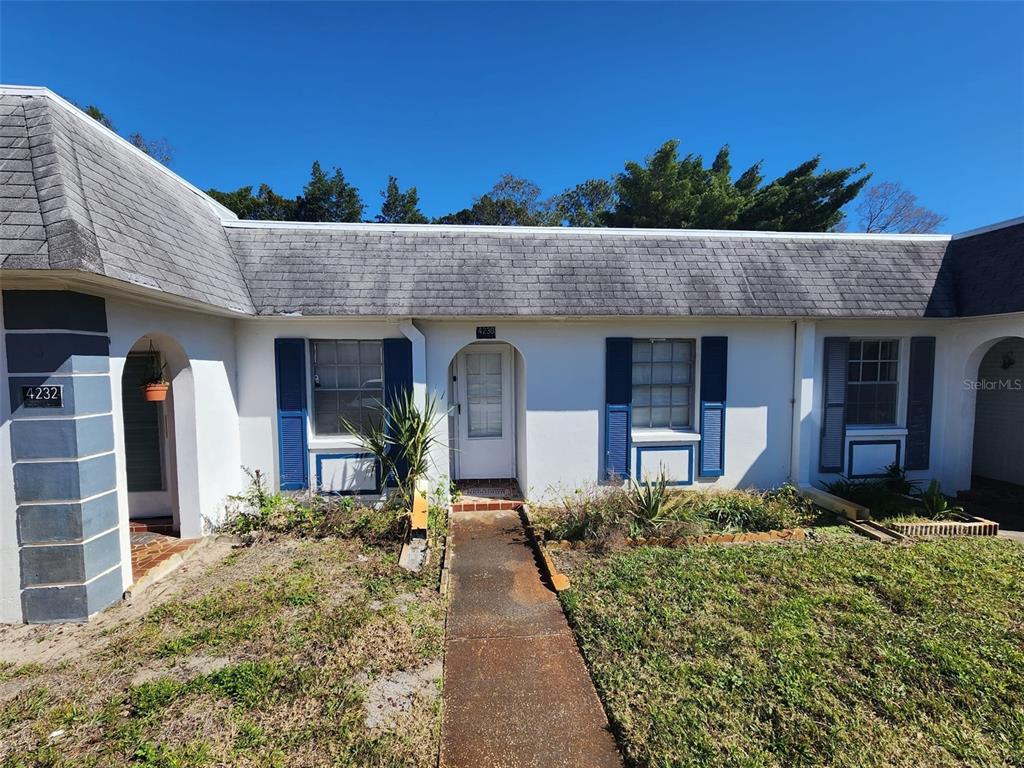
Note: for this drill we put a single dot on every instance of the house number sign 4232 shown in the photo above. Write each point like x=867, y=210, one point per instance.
x=43, y=396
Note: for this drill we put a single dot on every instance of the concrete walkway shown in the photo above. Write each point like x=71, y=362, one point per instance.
x=516, y=690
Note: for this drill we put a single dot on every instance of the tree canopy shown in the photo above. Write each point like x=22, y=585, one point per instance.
x=888, y=207
x=673, y=191
x=159, y=149
x=400, y=207
x=512, y=202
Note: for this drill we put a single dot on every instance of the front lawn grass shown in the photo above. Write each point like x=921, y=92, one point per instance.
x=268, y=658
x=831, y=653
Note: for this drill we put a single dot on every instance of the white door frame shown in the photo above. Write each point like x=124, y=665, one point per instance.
x=460, y=441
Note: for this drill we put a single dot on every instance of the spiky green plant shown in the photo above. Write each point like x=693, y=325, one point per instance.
x=651, y=504
x=402, y=441
x=936, y=504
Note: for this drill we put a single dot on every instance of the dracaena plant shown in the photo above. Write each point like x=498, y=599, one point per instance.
x=402, y=440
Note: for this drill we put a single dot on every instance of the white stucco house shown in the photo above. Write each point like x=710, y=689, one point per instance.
x=566, y=356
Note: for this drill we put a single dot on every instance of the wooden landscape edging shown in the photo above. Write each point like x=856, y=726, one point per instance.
x=972, y=526
x=558, y=580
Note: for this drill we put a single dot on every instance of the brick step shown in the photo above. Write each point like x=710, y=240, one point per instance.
x=163, y=525
x=486, y=505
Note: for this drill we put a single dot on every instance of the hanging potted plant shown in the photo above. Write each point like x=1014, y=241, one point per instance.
x=154, y=386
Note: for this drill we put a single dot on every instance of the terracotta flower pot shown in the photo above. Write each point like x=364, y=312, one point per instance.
x=155, y=393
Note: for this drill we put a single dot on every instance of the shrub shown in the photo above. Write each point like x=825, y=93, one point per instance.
x=895, y=496
x=256, y=512
x=651, y=508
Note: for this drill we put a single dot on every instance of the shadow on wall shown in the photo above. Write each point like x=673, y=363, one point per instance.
x=998, y=438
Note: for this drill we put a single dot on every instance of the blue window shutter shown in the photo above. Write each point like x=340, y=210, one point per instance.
x=618, y=388
x=920, y=385
x=714, y=368
x=290, y=361
x=397, y=382
x=833, y=417
x=397, y=369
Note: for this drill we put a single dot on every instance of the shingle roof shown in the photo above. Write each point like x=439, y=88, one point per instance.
x=105, y=208
x=423, y=271
x=988, y=270
x=75, y=196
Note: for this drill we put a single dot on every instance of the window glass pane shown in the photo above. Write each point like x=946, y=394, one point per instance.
x=348, y=352
x=347, y=382
x=660, y=417
x=872, y=388
x=371, y=376
x=661, y=395
x=324, y=352
x=325, y=409
x=641, y=373
x=484, y=394
x=680, y=417
x=661, y=373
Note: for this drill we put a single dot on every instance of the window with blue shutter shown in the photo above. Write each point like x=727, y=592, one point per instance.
x=714, y=359
x=833, y=417
x=290, y=362
x=920, y=384
x=397, y=380
x=618, y=387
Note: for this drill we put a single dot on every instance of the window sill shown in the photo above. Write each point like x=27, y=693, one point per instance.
x=334, y=442
x=871, y=431
x=664, y=436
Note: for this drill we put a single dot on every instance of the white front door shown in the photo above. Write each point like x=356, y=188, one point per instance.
x=486, y=443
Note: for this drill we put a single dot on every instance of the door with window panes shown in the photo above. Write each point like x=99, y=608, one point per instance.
x=486, y=442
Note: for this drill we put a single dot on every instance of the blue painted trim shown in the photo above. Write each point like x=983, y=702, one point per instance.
x=628, y=409
x=704, y=471
x=639, y=456
x=281, y=349
x=320, y=475
x=849, y=456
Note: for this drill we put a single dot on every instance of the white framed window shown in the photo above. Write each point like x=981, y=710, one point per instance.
x=483, y=394
x=872, y=382
x=663, y=383
x=348, y=383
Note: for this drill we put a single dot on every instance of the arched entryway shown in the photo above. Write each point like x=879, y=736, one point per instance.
x=160, y=439
x=997, y=465
x=487, y=412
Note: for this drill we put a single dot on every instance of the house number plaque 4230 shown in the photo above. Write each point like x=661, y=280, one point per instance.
x=43, y=396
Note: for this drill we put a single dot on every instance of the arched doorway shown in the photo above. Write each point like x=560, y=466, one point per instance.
x=997, y=466
x=159, y=438
x=487, y=412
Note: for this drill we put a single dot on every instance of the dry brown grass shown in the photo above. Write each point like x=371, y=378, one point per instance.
x=262, y=659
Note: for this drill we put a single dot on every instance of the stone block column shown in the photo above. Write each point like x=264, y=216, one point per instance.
x=62, y=450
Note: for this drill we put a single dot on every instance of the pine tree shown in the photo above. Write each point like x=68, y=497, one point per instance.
x=329, y=198
x=400, y=207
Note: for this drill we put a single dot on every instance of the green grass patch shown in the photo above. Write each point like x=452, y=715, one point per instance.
x=263, y=659
x=839, y=653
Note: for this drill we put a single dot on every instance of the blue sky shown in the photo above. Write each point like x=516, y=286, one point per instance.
x=449, y=96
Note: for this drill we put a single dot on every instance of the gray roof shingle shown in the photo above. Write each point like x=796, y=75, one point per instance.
x=107, y=209
x=379, y=270
x=988, y=271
